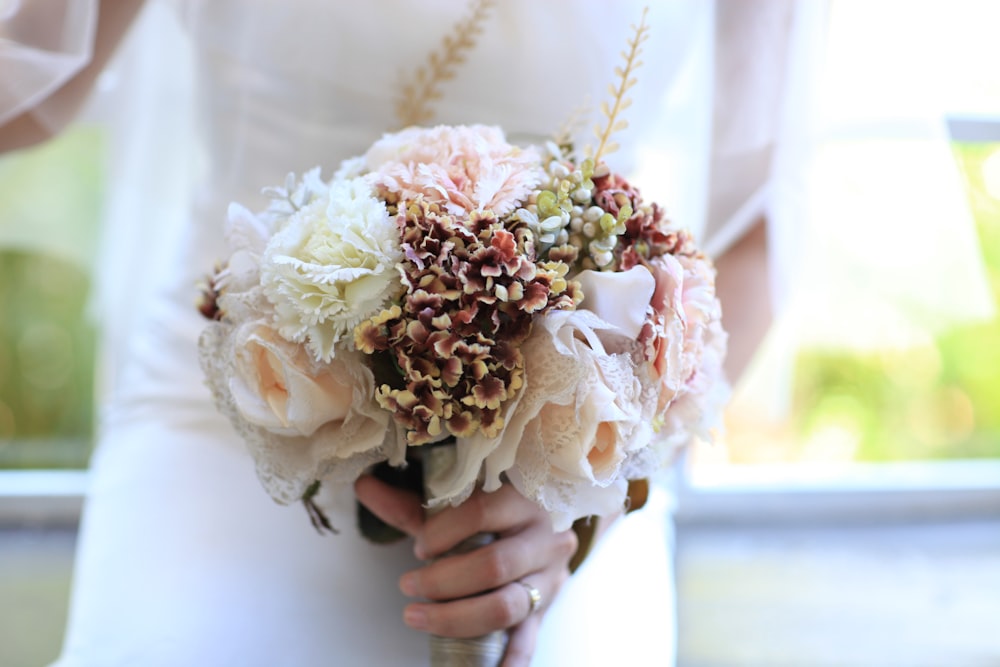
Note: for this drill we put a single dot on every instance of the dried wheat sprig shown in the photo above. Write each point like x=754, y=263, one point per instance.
x=573, y=124
x=413, y=104
x=619, y=101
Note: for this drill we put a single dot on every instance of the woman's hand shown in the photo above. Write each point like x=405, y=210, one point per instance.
x=475, y=593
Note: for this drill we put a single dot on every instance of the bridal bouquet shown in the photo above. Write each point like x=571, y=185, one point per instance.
x=446, y=284
x=524, y=305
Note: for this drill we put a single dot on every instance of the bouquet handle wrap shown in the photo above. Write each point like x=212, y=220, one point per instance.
x=486, y=650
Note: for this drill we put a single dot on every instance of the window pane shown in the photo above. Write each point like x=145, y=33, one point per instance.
x=934, y=398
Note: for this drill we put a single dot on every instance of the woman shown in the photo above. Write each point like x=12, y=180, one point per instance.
x=183, y=559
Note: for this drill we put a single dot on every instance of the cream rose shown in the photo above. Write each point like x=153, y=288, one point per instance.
x=620, y=298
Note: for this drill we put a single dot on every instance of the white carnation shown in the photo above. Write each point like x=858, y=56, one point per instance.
x=332, y=266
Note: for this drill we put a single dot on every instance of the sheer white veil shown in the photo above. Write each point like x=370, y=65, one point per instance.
x=43, y=44
x=152, y=166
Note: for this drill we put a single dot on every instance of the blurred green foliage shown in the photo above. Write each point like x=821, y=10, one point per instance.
x=50, y=203
x=941, y=401
x=46, y=362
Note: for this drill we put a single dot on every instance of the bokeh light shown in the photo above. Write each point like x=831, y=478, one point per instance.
x=45, y=355
x=7, y=423
x=46, y=359
x=835, y=430
x=991, y=174
x=912, y=369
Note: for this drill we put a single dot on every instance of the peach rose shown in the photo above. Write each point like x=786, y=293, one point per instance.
x=663, y=334
x=277, y=385
x=302, y=420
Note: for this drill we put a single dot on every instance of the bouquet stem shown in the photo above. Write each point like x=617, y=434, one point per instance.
x=486, y=650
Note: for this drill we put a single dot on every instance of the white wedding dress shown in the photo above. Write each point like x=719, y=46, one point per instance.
x=183, y=558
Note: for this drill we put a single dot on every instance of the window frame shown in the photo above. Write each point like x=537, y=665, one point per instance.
x=797, y=492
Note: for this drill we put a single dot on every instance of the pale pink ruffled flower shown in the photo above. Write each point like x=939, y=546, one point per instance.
x=463, y=168
x=685, y=344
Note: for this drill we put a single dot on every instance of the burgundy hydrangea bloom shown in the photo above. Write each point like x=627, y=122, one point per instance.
x=612, y=192
x=648, y=232
x=208, y=300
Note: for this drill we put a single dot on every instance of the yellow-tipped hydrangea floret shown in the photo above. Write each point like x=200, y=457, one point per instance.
x=472, y=288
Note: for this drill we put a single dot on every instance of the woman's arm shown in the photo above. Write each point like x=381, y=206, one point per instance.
x=742, y=287
x=27, y=129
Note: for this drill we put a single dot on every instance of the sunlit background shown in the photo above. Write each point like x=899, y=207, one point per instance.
x=893, y=357
x=928, y=396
